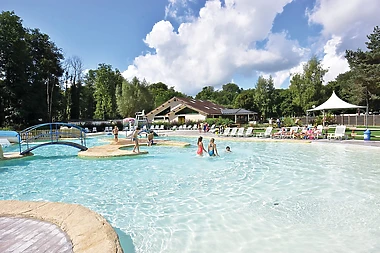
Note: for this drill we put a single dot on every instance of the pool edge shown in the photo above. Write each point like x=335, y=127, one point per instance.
x=88, y=230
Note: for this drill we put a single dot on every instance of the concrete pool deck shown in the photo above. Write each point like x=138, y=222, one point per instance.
x=87, y=231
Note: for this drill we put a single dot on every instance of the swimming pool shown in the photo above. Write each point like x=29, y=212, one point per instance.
x=262, y=197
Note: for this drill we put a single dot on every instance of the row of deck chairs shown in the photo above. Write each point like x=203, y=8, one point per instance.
x=238, y=132
x=157, y=127
x=191, y=127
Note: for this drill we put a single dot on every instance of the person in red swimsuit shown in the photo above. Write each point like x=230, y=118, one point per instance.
x=200, y=146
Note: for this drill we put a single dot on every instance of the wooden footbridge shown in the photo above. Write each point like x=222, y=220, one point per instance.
x=52, y=134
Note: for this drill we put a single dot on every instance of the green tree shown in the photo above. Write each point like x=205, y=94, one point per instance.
x=161, y=93
x=45, y=72
x=106, y=81
x=133, y=97
x=14, y=62
x=246, y=100
x=227, y=95
x=30, y=69
x=207, y=93
x=366, y=68
x=283, y=103
x=87, y=101
x=264, y=96
x=306, y=88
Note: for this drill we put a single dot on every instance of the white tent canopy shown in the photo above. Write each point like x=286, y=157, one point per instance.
x=334, y=102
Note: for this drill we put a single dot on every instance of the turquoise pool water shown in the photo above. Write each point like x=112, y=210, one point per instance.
x=262, y=197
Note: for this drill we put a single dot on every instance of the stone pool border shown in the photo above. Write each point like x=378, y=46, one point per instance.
x=88, y=231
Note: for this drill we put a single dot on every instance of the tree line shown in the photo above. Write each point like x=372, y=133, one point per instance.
x=37, y=84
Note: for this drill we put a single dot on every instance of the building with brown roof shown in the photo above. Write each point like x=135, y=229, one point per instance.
x=182, y=110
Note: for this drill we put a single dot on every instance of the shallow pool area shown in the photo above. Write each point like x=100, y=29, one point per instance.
x=261, y=197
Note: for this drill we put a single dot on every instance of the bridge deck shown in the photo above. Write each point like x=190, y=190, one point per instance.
x=29, y=235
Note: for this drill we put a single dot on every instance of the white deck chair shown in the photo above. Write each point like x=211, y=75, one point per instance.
x=162, y=127
x=189, y=127
x=195, y=127
x=233, y=131
x=180, y=127
x=151, y=127
x=340, y=133
x=240, y=132
x=157, y=127
x=267, y=133
x=226, y=131
x=249, y=132
x=292, y=132
x=319, y=131
x=94, y=130
x=174, y=128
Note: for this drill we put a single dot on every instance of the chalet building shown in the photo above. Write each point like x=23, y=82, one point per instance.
x=182, y=110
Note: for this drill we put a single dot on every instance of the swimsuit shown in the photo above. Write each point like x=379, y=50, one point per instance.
x=200, y=150
x=211, y=152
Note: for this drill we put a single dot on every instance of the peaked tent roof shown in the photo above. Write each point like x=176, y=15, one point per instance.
x=334, y=102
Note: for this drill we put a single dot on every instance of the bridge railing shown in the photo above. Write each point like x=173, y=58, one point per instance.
x=52, y=132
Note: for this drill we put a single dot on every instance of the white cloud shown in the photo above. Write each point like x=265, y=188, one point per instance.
x=219, y=43
x=345, y=26
x=280, y=77
x=351, y=20
x=334, y=61
x=180, y=10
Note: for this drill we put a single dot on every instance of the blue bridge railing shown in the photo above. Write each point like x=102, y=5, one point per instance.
x=51, y=133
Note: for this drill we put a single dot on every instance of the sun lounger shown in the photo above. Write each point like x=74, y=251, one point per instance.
x=240, y=132
x=249, y=133
x=226, y=131
x=162, y=127
x=319, y=131
x=340, y=133
x=152, y=127
x=233, y=132
x=292, y=133
x=267, y=133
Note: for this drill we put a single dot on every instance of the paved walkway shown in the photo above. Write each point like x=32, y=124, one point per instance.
x=28, y=235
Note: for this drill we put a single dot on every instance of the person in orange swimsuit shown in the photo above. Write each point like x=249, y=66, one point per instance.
x=200, y=146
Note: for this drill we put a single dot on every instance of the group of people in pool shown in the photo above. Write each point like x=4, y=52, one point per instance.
x=211, y=147
x=212, y=150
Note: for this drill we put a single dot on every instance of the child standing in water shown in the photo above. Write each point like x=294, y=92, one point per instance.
x=212, y=151
x=115, y=132
x=200, y=146
x=135, y=138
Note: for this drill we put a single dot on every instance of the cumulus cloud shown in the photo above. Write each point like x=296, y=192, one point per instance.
x=334, y=61
x=281, y=78
x=220, y=42
x=180, y=10
x=351, y=20
x=345, y=25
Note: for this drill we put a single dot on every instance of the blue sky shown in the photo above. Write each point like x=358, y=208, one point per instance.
x=190, y=44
